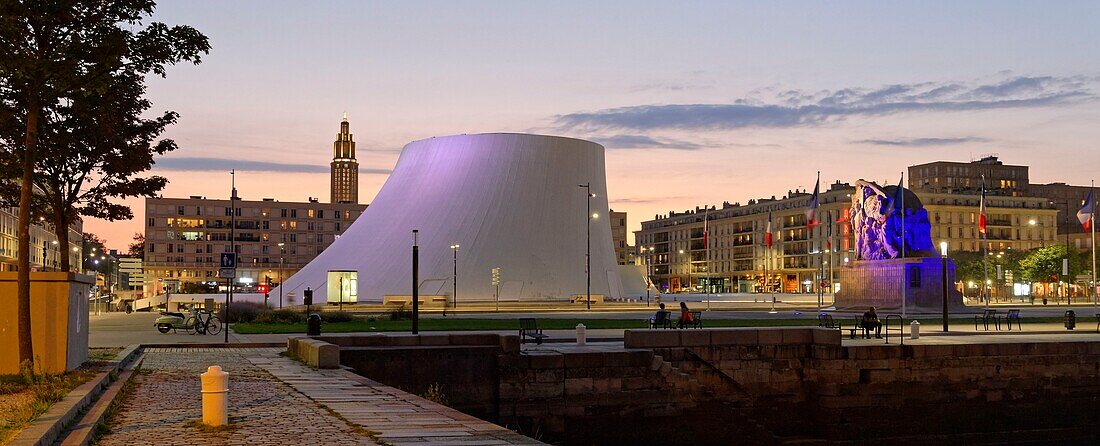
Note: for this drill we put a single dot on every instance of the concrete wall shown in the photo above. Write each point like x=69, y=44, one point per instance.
x=59, y=321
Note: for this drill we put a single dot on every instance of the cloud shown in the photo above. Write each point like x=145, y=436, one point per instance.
x=795, y=108
x=201, y=164
x=645, y=200
x=922, y=142
x=644, y=142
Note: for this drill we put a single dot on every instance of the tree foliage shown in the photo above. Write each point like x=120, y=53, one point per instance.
x=1045, y=264
x=71, y=113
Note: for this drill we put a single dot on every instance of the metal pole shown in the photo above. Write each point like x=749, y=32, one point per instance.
x=341, y=303
x=943, y=260
x=588, y=240
x=985, y=255
x=416, y=287
x=1092, y=234
x=282, y=255
x=904, y=266
x=232, y=248
x=454, y=279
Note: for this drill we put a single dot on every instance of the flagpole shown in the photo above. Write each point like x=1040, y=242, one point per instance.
x=985, y=254
x=832, y=259
x=904, y=267
x=706, y=246
x=1092, y=232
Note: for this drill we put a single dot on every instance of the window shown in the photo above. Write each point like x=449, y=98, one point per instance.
x=152, y=247
x=311, y=213
x=152, y=222
x=179, y=210
x=321, y=213
x=282, y=213
x=293, y=213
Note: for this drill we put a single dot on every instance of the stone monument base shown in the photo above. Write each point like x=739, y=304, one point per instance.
x=878, y=283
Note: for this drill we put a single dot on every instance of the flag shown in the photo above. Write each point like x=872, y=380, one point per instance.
x=981, y=209
x=815, y=201
x=829, y=239
x=768, y=232
x=898, y=199
x=705, y=214
x=1086, y=213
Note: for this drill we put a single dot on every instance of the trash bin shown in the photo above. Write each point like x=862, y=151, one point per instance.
x=313, y=325
x=914, y=330
x=1071, y=319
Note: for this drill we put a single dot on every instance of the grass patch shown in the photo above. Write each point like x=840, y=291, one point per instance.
x=467, y=324
x=25, y=397
x=103, y=354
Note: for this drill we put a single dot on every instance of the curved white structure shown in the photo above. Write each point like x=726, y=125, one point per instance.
x=510, y=201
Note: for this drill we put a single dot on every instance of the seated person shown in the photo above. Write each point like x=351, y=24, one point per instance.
x=657, y=316
x=685, y=315
x=870, y=322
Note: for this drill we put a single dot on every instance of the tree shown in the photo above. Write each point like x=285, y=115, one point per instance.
x=1045, y=264
x=137, y=248
x=59, y=61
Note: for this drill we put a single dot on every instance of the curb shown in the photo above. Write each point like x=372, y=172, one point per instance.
x=84, y=431
x=48, y=427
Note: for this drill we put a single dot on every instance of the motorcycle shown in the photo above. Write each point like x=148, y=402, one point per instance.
x=198, y=321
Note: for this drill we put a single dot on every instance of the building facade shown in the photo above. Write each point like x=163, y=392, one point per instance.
x=184, y=238
x=45, y=251
x=624, y=254
x=671, y=246
x=966, y=178
x=344, y=178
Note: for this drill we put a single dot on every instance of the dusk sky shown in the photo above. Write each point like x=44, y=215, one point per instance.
x=697, y=102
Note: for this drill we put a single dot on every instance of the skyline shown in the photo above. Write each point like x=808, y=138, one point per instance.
x=860, y=90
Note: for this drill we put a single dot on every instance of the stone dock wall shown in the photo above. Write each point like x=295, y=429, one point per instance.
x=765, y=384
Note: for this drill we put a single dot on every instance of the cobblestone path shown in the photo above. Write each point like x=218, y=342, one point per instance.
x=164, y=406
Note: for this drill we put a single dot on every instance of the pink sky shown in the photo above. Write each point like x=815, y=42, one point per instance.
x=720, y=102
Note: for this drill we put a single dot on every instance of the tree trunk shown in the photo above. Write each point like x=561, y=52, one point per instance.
x=62, y=230
x=23, y=280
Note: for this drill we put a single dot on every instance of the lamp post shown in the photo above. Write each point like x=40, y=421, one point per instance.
x=44, y=245
x=282, y=257
x=416, y=282
x=681, y=252
x=943, y=262
x=454, y=279
x=588, y=240
x=648, y=273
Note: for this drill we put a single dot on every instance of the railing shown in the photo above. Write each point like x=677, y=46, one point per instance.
x=901, y=326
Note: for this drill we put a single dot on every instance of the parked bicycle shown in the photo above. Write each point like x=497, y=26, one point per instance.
x=198, y=321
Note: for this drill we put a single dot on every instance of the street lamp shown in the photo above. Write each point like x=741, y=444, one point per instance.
x=649, y=273
x=282, y=257
x=588, y=239
x=943, y=261
x=454, y=279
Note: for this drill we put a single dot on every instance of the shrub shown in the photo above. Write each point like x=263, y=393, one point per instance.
x=243, y=311
x=400, y=313
x=336, y=316
x=280, y=316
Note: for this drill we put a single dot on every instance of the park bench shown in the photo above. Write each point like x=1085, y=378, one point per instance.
x=857, y=324
x=827, y=321
x=696, y=319
x=986, y=317
x=529, y=328
x=1013, y=315
x=661, y=320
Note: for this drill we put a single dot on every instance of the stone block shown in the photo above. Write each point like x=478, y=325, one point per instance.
x=695, y=338
x=735, y=336
x=475, y=339
x=585, y=359
x=651, y=338
x=797, y=336
x=509, y=343
x=826, y=336
x=401, y=340
x=544, y=360
x=435, y=339
x=328, y=356
x=642, y=358
x=770, y=336
x=579, y=386
x=373, y=340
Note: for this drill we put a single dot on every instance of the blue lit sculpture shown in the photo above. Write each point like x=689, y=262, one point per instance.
x=877, y=222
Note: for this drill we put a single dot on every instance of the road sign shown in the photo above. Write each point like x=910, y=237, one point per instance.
x=229, y=260
x=227, y=273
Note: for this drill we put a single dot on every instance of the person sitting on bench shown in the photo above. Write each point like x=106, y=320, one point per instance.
x=685, y=315
x=870, y=322
x=657, y=316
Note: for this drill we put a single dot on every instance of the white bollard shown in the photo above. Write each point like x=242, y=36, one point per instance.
x=580, y=334
x=215, y=398
x=914, y=330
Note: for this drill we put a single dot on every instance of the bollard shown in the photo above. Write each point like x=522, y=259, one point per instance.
x=580, y=334
x=914, y=330
x=215, y=401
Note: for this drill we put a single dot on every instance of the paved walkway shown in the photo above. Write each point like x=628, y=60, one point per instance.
x=398, y=418
x=165, y=404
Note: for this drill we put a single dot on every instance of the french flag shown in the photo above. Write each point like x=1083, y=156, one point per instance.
x=815, y=201
x=981, y=210
x=1085, y=215
x=768, y=232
